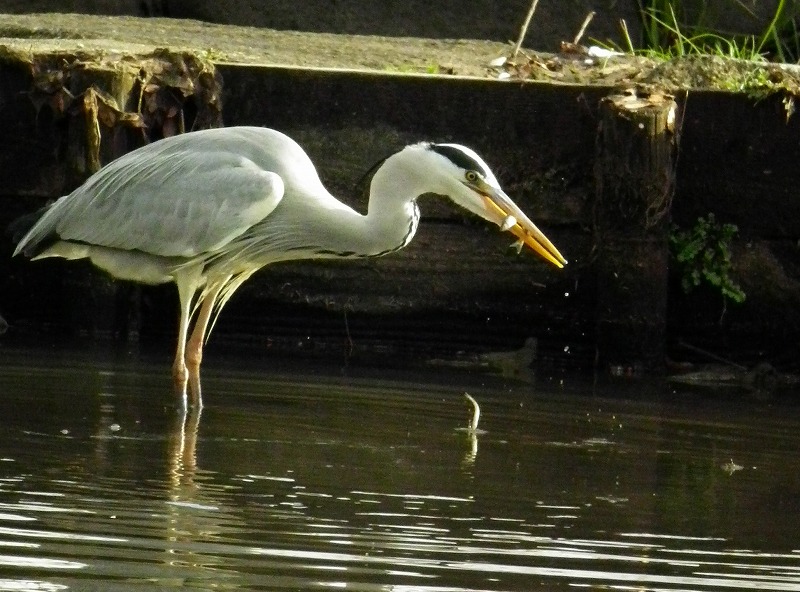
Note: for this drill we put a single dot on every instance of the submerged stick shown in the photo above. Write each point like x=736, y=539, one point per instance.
x=476, y=413
x=711, y=355
x=522, y=32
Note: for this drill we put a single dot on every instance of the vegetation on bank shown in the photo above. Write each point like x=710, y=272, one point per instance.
x=671, y=28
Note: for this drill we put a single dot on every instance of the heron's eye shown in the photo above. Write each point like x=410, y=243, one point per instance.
x=471, y=176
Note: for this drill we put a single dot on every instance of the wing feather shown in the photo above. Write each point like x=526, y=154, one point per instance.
x=169, y=199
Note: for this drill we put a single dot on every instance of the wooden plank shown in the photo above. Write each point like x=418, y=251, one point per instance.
x=739, y=158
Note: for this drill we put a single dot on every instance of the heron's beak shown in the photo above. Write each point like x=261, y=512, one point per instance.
x=509, y=217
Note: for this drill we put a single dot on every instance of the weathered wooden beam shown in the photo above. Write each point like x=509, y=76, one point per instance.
x=739, y=159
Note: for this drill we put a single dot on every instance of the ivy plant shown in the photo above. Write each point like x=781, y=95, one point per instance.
x=703, y=254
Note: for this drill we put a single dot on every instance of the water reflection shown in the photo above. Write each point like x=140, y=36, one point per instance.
x=301, y=482
x=472, y=455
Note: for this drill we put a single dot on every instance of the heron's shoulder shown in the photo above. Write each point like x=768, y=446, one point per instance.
x=237, y=136
x=236, y=139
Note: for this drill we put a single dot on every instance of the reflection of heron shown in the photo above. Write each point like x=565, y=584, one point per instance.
x=207, y=209
x=195, y=516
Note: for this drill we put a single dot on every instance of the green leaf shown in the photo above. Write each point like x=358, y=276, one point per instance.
x=703, y=254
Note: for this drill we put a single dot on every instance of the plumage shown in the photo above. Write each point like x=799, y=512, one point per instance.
x=207, y=209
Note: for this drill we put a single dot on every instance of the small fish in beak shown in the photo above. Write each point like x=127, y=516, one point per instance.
x=508, y=223
x=510, y=218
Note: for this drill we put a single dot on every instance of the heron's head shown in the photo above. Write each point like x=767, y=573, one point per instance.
x=467, y=180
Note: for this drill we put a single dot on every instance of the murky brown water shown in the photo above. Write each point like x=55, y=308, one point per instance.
x=303, y=482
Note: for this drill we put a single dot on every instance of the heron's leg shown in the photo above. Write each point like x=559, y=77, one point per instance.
x=180, y=375
x=194, y=346
x=179, y=372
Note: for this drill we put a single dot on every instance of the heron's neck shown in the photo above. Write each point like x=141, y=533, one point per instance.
x=392, y=215
x=331, y=229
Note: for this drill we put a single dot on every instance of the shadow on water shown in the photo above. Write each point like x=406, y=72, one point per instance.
x=307, y=481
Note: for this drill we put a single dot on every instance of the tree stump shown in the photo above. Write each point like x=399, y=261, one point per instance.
x=635, y=181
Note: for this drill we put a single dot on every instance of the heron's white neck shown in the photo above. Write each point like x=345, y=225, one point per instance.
x=317, y=225
x=392, y=215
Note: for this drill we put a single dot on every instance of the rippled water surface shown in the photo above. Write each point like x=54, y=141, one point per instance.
x=299, y=481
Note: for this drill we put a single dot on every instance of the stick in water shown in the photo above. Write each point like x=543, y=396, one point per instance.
x=476, y=413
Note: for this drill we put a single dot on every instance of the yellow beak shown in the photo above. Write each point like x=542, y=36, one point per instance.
x=509, y=217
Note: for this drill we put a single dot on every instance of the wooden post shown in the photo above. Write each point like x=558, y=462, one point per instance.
x=635, y=181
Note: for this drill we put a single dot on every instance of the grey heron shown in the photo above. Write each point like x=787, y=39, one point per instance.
x=207, y=209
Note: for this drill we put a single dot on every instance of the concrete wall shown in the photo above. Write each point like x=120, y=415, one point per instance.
x=452, y=19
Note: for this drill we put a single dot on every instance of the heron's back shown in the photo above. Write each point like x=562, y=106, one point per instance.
x=181, y=195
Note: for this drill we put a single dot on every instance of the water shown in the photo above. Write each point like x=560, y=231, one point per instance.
x=308, y=481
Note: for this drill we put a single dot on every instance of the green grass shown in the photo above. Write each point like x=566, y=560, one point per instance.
x=667, y=33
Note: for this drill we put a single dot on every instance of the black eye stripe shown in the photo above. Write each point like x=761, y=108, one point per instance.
x=460, y=158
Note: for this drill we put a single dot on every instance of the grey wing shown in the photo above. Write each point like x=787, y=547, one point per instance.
x=169, y=203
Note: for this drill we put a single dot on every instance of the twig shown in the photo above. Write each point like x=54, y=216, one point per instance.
x=582, y=30
x=524, y=30
x=476, y=413
x=711, y=355
x=349, y=337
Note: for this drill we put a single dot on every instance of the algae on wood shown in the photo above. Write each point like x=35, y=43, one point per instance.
x=94, y=107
